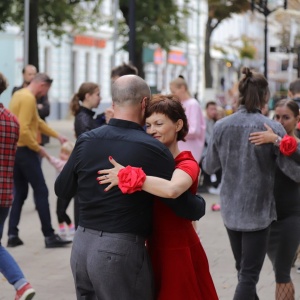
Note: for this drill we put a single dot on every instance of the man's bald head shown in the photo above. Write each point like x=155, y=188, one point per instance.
x=28, y=72
x=130, y=90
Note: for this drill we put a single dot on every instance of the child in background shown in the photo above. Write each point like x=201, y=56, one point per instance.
x=62, y=205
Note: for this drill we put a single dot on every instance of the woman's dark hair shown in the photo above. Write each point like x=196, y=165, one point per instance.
x=290, y=104
x=85, y=88
x=253, y=90
x=170, y=106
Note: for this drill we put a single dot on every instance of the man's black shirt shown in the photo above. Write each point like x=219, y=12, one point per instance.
x=113, y=211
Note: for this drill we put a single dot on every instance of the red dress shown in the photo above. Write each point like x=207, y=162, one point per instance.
x=179, y=262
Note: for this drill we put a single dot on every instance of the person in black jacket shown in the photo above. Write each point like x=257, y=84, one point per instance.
x=82, y=104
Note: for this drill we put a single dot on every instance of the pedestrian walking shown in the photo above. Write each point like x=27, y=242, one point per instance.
x=9, y=134
x=66, y=228
x=43, y=104
x=196, y=136
x=27, y=169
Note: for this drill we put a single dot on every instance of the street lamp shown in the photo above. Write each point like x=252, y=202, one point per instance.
x=262, y=7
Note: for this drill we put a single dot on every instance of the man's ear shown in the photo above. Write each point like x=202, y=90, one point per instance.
x=144, y=102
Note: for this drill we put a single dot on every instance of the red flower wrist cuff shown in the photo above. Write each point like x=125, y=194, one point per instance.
x=288, y=145
x=131, y=179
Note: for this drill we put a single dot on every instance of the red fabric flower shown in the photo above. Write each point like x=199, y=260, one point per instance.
x=131, y=179
x=288, y=145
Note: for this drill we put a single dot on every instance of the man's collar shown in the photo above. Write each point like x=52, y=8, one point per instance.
x=125, y=124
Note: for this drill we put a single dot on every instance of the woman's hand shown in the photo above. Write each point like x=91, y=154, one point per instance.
x=263, y=137
x=110, y=176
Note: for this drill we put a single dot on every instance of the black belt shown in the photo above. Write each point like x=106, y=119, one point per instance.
x=124, y=236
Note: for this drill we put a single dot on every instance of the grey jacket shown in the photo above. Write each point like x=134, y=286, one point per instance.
x=248, y=171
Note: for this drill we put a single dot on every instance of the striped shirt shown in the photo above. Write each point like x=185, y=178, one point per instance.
x=9, y=134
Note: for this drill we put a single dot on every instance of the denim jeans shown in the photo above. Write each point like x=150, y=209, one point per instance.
x=8, y=266
x=249, y=249
x=27, y=170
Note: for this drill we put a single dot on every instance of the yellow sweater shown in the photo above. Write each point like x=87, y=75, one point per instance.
x=23, y=106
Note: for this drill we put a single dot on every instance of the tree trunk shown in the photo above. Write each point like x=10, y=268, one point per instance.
x=207, y=57
x=33, y=55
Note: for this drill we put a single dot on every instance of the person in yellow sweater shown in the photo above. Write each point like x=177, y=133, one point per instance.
x=27, y=169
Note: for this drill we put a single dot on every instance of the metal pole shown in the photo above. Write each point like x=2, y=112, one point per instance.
x=26, y=31
x=115, y=36
x=266, y=44
x=131, y=45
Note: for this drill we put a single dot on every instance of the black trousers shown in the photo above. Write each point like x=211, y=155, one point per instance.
x=249, y=250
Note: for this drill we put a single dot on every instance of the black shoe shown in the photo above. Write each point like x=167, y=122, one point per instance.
x=14, y=241
x=55, y=241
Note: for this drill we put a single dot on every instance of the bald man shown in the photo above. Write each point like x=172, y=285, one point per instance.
x=115, y=265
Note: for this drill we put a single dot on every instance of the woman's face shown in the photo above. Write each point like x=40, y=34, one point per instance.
x=94, y=98
x=286, y=117
x=177, y=91
x=162, y=128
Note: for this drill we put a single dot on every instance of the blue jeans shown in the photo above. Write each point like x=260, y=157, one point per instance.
x=8, y=266
x=27, y=170
x=249, y=250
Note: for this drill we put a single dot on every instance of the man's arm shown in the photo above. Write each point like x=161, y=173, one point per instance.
x=43, y=106
x=211, y=162
x=289, y=165
x=187, y=206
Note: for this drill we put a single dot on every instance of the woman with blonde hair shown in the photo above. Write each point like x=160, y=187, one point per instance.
x=196, y=136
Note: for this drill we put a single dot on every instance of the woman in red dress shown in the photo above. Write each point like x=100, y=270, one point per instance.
x=180, y=265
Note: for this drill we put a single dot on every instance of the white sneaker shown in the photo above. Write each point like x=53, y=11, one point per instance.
x=62, y=232
x=298, y=270
x=71, y=233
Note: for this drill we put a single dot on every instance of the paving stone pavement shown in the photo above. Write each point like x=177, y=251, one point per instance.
x=49, y=272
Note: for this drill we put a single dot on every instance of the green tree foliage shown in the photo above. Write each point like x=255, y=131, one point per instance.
x=218, y=10
x=5, y=9
x=157, y=22
x=55, y=17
